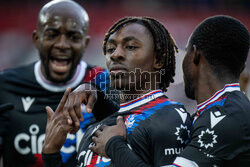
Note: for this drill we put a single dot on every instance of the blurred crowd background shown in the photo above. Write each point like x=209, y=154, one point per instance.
x=18, y=20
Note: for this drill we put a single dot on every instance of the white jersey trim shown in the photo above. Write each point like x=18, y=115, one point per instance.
x=218, y=94
x=183, y=162
x=50, y=86
x=141, y=100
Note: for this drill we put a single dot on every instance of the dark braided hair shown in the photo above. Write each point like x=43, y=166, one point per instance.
x=225, y=43
x=164, y=45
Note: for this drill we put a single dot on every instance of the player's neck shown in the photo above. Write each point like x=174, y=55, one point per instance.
x=209, y=85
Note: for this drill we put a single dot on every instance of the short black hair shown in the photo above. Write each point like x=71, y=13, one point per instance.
x=164, y=44
x=224, y=42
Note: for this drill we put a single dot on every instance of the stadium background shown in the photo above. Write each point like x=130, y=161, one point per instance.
x=18, y=20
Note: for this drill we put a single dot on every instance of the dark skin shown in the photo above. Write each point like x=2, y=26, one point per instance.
x=200, y=81
x=130, y=47
x=199, y=76
x=244, y=79
x=133, y=60
x=56, y=123
x=61, y=39
x=59, y=123
x=107, y=132
x=86, y=94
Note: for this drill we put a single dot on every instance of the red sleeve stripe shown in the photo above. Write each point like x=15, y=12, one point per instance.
x=92, y=73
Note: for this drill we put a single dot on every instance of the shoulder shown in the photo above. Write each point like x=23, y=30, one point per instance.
x=172, y=109
x=237, y=101
x=224, y=129
x=233, y=107
x=231, y=114
x=171, y=123
x=170, y=115
x=17, y=73
x=237, y=113
x=223, y=118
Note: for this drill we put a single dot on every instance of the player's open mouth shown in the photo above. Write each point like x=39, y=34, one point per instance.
x=60, y=64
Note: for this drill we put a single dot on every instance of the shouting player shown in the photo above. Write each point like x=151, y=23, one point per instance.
x=61, y=39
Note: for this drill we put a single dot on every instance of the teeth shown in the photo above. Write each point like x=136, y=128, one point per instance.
x=61, y=58
x=59, y=68
x=60, y=62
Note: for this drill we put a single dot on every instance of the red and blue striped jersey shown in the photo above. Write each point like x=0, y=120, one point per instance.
x=157, y=131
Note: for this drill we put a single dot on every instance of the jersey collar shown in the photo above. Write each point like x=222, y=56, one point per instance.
x=217, y=95
x=50, y=86
x=141, y=100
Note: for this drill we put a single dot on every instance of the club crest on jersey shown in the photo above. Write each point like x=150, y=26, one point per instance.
x=182, y=133
x=207, y=138
x=130, y=121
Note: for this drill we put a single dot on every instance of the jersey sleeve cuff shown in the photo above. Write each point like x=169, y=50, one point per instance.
x=52, y=160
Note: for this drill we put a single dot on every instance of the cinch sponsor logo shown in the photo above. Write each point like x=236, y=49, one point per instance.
x=31, y=143
x=173, y=151
x=35, y=142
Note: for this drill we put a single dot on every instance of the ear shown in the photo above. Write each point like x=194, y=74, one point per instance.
x=35, y=38
x=158, y=64
x=86, y=42
x=197, y=55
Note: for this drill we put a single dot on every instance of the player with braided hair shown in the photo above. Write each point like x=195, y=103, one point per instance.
x=157, y=127
x=164, y=45
x=220, y=136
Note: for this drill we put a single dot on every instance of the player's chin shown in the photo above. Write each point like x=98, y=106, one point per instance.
x=189, y=92
x=119, y=83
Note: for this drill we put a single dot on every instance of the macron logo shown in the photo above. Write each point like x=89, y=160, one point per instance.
x=27, y=102
x=215, y=118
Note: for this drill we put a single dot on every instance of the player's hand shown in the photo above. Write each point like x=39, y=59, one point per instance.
x=57, y=127
x=84, y=93
x=105, y=133
x=6, y=107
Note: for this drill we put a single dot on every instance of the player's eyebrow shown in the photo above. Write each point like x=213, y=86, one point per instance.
x=124, y=40
x=111, y=41
x=130, y=38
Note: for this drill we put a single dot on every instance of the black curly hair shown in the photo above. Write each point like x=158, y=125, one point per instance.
x=164, y=44
x=225, y=43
